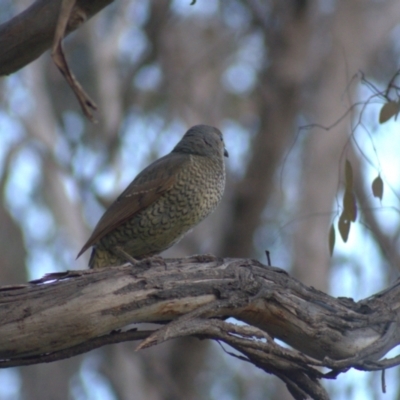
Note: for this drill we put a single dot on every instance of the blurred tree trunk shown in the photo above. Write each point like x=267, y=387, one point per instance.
x=277, y=102
x=354, y=44
x=12, y=250
x=49, y=381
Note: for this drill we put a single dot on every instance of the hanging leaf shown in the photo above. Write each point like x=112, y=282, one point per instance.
x=349, y=205
x=344, y=227
x=332, y=239
x=388, y=110
x=348, y=173
x=377, y=187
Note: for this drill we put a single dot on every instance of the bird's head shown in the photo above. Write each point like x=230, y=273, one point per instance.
x=202, y=140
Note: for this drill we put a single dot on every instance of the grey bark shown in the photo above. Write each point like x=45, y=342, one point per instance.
x=30, y=33
x=69, y=313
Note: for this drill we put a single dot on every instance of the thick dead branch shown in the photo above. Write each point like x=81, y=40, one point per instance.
x=70, y=313
x=29, y=34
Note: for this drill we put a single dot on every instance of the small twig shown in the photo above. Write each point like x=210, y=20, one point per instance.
x=267, y=253
x=383, y=381
x=164, y=333
x=59, y=59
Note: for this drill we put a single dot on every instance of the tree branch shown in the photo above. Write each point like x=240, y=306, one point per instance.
x=91, y=344
x=69, y=313
x=30, y=33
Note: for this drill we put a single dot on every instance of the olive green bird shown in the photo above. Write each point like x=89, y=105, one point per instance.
x=166, y=200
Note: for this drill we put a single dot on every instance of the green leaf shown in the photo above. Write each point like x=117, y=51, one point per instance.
x=377, y=187
x=349, y=205
x=388, y=110
x=344, y=227
x=332, y=239
x=348, y=173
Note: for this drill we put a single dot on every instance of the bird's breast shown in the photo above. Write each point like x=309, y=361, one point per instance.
x=200, y=187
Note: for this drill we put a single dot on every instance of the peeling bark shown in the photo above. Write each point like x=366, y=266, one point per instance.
x=65, y=314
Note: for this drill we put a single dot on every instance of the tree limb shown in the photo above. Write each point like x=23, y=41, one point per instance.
x=30, y=33
x=69, y=313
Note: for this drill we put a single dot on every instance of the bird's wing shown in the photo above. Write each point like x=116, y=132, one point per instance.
x=144, y=190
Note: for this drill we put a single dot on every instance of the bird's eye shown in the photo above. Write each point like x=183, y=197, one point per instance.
x=207, y=143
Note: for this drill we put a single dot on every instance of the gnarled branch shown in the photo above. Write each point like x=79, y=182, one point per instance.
x=65, y=314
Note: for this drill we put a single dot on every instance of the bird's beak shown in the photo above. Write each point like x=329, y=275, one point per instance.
x=226, y=154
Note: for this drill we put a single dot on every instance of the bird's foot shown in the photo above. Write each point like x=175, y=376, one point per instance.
x=156, y=259
x=120, y=252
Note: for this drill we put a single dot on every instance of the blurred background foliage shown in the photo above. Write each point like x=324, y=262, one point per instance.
x=261, y=71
